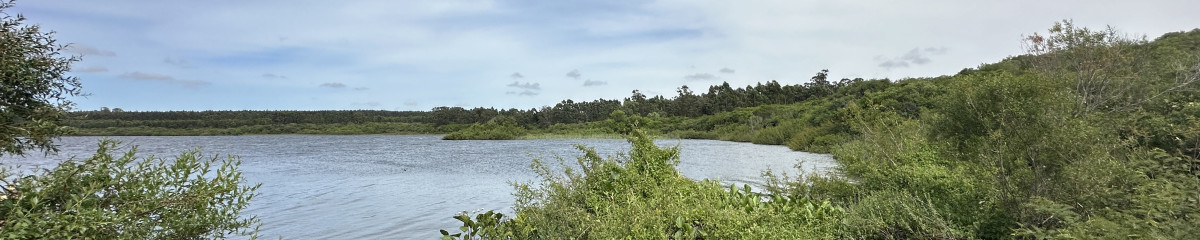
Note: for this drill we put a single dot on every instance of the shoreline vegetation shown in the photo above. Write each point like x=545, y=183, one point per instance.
x=1090, y=135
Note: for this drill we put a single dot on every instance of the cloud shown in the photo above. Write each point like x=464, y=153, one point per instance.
x=273, y=76
x=140, y=76
x=893, y=64
x=937, y=50
x=589, y=83
x=411, y=103
x=92, y=69
x=146, y=76
x=700, y=77
x=516, y=75
x=574, y=74
x=334, y=85
x=526, y=85
x=361, y=88
x=527, y=88
x=89, y=51
x=727, y=70
x=916, y=56
x=177, y=62
x=523, y=93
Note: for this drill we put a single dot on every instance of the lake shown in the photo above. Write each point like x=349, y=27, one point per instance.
x=409, y=187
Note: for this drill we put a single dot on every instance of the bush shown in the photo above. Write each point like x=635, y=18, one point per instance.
x=641, y=196
x=122, y=197
x=488, y=131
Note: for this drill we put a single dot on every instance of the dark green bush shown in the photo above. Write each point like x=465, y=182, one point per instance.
x=122, y=197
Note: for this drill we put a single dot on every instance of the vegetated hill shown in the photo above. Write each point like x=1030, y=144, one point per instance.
x=1091, y=134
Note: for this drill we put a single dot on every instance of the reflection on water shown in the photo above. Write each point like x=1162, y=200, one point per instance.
x=408, y=187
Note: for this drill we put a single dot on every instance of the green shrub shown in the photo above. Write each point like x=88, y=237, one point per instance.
x=899, y=215
x=122, y=197
x=640, y=195
x=488, y=131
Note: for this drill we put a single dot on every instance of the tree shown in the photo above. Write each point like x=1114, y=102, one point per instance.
x=101, y=197
x=35, y=85
x=1109, y=70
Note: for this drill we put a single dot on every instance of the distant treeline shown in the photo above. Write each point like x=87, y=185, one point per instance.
x=117, y=122
x=718, y=99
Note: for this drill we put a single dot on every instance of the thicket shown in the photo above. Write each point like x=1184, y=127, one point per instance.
x=123, y=196
x=640, y=195
x=1092, y=134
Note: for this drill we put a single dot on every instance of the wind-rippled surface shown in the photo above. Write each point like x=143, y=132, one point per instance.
x=408, y=187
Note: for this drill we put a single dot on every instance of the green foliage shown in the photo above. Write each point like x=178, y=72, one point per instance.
x=122, y=197
x=484, y=224
x=34, y=85
x=498, y=129
x=1091, y=136
x=640, y=195
x=1021, y=150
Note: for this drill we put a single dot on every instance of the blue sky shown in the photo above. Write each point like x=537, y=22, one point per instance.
x=420, y=54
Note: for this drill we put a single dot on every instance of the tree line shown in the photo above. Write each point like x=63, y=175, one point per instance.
x=718, y=99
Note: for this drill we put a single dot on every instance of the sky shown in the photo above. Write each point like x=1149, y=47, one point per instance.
x=419, y=54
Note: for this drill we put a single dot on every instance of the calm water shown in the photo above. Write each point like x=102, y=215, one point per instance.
x=408, y=187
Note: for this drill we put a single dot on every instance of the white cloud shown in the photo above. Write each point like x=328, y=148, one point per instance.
x=574, y=74
x=92, y=69
x=86, y=51
x=916, y=56
x=178, y=62
x=700, y=77
x=526, y=85
x=273, y=76
x=140, y=76
x=590, y=83
x=335, y=85
x=524, y=93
